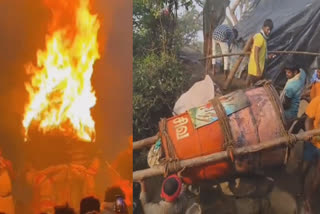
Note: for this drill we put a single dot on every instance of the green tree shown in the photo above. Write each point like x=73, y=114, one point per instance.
x=189, y=24
x=157, y=82
x=154, y=25
x=158, y=75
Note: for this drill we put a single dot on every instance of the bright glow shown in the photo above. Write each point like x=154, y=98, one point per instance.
x=60, y=91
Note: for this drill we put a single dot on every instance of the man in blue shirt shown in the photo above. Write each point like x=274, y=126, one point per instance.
x=291, y=94
x=224, y=36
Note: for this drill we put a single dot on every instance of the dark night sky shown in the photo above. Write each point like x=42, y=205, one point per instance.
x=23, y=27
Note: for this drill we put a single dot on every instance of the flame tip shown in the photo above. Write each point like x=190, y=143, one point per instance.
x=60, y=90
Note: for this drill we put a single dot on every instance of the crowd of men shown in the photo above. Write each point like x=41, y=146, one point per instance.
x=114, y=200
x=113, y=203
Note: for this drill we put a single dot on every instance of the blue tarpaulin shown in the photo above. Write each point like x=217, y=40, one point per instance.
x=296, y=28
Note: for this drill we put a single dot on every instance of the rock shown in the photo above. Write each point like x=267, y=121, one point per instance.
x=253, y=206
x=282, y=202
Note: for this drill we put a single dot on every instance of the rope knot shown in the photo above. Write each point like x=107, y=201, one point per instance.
x=171, y=165
x=292, y=139
x=230, y=152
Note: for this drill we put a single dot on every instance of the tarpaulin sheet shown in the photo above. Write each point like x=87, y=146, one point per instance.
x=296, y=28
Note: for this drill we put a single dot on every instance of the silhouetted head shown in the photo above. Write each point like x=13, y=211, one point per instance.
x=235, y=33
x=171, y=188
x=64, y=210
x=89, y=204
x=112, y=193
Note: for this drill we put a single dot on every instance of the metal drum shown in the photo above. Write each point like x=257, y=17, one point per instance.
x=254, y=116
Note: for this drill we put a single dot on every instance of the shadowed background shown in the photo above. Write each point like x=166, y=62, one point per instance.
x=23, y=27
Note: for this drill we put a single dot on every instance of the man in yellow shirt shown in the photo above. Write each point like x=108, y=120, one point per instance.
x=258, y=53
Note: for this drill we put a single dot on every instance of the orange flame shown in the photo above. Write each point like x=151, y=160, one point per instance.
x=60, y=92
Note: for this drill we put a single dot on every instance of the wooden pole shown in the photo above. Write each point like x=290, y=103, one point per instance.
x=224, y=55
x=144, y=142
x=270, y=52
x=221, y=156
x=235, y=67
x=295, y=52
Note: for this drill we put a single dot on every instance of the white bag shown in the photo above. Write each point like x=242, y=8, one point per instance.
x=199, y=94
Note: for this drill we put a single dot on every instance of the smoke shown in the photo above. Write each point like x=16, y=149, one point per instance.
x=112, y=78
x=23, y=25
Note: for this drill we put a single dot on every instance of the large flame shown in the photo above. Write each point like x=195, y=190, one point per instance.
x=60, y=92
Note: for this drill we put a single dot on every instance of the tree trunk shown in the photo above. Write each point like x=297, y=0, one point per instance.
x=232, y=11
x=214, y=12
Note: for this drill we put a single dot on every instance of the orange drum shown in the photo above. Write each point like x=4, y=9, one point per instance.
x=254, y=116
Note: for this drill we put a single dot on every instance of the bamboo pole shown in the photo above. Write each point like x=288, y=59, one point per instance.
x=144, y=142
x=235, y=67
x=295, y=52
x=221, y=156
x=224, y=55
x=270, y=52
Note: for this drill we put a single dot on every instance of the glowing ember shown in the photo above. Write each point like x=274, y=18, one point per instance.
x=60, y=92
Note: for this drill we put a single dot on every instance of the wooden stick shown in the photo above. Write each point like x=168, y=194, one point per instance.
x=221, y=156
x=144, y=142
x=235, y=67
x=270, y=52
x=224, y=55
x=295, y=52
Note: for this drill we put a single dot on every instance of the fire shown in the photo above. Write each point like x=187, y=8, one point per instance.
x=60, y=91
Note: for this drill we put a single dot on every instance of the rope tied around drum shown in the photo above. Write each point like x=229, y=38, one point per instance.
x=272, y=93
x=170, y=146
x=171, y=164
x=292, y=139
x=225, y=126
